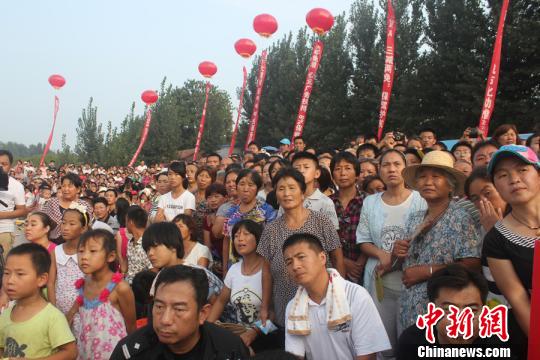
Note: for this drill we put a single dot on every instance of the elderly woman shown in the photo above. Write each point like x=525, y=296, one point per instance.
x=290, y=187
x=509, y=245
x=382, y=222
x=248, y=184
x=69, y=192
x=444, y=233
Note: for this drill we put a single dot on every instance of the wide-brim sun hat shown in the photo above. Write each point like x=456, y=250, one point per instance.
x=437, y=159
x=523, y=153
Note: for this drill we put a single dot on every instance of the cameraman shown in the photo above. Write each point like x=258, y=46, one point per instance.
x=12, y=202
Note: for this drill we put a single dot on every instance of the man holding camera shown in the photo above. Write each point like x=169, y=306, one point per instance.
x=12, y=202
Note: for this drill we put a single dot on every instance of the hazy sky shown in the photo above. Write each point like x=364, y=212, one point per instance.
x=113, y=50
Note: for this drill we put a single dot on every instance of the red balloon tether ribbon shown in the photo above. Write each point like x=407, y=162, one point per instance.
x=144, y=135
x=201, y=126
x=314, y=63
x=49, y=141
x=320, y=21
x=534, y=340
x=388, y=77
x=233, y=138
x=493, y=77
x=252, y=132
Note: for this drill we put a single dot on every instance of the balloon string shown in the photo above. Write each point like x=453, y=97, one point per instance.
x=144, y=135
x=48, y=145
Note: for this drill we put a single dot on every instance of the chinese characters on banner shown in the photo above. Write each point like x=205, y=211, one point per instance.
x=388, y=78
x=201, y=126
x=47, y=147
x=461, y=323
x=252, y=132
x=493, y=76
x=144, y=135
x=233, y=138
x=308, y=87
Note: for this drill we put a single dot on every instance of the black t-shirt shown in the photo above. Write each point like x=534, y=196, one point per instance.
x=501, y=243
x=194, y=354
x=413, y=337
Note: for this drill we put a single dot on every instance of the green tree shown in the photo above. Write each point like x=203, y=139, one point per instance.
x=89, y=135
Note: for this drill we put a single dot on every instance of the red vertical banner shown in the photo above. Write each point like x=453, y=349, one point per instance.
x=534, y=329
x=388, y=78
x=201, y=126
x=493, y=76
x=252, y=132
x=233, y=138
x=49, y=140
x=144, y=136
x=314, y=63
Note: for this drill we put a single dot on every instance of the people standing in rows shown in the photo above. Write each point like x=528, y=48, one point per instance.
x=383, y=221
x=178, y=200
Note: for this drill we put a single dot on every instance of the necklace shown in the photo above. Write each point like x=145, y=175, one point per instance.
x=250, y=271
x=537, y=228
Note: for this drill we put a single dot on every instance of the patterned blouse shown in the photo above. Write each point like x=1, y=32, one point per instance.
x=53, y=209
x=452, y=238
x=262, y=213
x=348, y=222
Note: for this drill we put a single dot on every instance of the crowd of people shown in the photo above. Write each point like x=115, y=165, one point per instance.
x=299, y=252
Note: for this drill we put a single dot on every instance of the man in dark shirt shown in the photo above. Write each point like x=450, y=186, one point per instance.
x=453, y=285
x=179, y=329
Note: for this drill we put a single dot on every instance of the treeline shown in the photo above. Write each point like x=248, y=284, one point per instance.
x=443, y=54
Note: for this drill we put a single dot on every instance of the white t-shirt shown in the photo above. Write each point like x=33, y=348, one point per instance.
x=320, y=203
x=13, y=197
x=363, y=335
x=394, y=229
x=198, y=251
x=246, y=293
x=173, y=207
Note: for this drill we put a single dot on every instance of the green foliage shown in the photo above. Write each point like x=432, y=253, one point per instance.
x=89, y=136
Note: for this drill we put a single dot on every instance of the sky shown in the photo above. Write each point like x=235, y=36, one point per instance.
x=113, y=50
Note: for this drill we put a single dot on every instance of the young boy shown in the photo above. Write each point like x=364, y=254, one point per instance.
x=308, y=164
x=178, y=200
x=32, y=328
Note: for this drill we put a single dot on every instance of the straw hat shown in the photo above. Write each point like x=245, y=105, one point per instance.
x=439, y=160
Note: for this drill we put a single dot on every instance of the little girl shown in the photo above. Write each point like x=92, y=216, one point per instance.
x=74, y=224
x=37, y=229
x=105, y=302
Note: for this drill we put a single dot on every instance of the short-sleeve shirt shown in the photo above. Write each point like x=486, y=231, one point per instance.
x=363, y=335
x=175, y=206
x=452, y=238
x=270, y=247
x=136, y=258
x=501, y=243
x=348, y=218
x=198, y=251
x=262, y=213
x=246, y=293
x=13, y=197
x=36, y=337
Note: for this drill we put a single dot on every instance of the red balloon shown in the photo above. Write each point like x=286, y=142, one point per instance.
x=207, y=69
x=245, y=47
x=265, y=25
x=149, y=97
x=57, y=81
x=320, y=20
